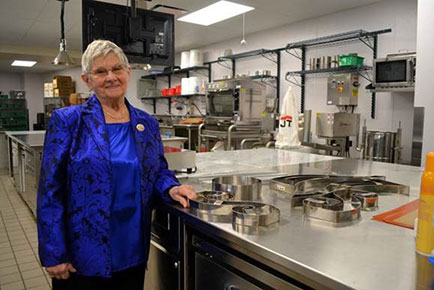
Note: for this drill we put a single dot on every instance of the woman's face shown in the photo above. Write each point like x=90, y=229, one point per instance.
x=108, y=77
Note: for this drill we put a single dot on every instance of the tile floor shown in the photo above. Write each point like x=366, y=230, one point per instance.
x=19, y=262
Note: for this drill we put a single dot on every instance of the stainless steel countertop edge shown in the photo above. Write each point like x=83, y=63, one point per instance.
x=274, y=260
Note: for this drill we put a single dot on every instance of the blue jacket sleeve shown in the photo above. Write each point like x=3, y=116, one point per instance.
x=165, y=177
x=52, y=193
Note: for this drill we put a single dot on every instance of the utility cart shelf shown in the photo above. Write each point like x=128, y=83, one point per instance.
x=175, y=96
x=257, y=52
x=169, y=74
x=296, y=49
x=273, y=55
x=344, y=69
x=175, y=72
x=362, y=35
x=369, y=38
x=291, y=76
x=169, y=99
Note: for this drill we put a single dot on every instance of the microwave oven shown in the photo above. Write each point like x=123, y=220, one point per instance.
x=395, y=70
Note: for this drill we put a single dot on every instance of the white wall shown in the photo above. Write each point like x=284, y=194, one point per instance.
x=399, y=15
x=425, y=73
x=10, y=81
x=34, y=87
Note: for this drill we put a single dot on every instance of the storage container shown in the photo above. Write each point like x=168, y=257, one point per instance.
x=351, y=59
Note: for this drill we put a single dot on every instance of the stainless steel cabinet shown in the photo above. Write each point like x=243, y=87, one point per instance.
x=215, y=266
x=164, y=269
x=15, y=162
x=165, y=256
x=24, y=170
x=29, y=188
x=3, y=152
x=212, y=276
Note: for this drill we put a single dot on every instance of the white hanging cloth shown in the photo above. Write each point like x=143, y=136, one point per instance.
x=287, y=136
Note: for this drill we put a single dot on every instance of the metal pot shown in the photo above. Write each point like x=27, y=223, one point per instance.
x=243, y=187
x=379, y=146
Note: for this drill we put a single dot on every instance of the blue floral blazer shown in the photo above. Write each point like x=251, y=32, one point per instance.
x=75, y=188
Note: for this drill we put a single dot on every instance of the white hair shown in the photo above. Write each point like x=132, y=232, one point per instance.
x=101, y=48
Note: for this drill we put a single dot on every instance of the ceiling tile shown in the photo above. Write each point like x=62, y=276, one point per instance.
x=74, y=37
x=10, y=33
x=39, y=31
x=14, y=8
x=51, y=11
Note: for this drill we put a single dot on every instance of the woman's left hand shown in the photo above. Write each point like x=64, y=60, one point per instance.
x=183, y=194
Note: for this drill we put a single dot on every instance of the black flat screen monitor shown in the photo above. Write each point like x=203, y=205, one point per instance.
x=147, y=38
x=391, y=71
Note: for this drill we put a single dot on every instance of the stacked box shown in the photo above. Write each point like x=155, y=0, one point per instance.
x=48, y=90
x=62, y=82
x=63, y=92
x=62, y=86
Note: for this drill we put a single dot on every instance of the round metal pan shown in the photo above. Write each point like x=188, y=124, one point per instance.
x=243, y=187
x=255, y=215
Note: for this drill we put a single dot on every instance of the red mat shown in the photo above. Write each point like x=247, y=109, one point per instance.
x=402, y=216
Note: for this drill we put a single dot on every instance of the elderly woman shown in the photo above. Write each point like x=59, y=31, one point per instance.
x=103, y=164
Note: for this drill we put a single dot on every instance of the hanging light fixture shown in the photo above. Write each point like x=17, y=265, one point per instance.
x=243, y=41
x=62, y=57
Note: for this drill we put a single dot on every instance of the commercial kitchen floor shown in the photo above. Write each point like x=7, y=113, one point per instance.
x=19, y=262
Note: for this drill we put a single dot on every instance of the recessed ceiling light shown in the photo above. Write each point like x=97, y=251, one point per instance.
x=216, y=12
x=26, y=63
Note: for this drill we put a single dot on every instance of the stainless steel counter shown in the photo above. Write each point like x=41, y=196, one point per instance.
x=366, y=255
x=3, y=152
x=25, y=156
x=29, y=139
x=34, y=140
x=259, y=162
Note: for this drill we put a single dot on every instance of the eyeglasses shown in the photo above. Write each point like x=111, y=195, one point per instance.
x=103, y=72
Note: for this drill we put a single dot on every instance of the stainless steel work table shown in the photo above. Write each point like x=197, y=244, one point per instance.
x=25, y=155
x=29, y=139
x=365, y=255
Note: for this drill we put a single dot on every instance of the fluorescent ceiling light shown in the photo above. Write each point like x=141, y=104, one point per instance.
x=216, y=12
x=26, y=63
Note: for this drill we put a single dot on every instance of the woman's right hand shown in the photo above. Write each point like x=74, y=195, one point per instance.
x=60, y=271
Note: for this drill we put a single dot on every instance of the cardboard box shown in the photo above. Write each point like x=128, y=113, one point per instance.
x=48, y=90
x=61, y=82
x=63, y=92
x=48, y=86
x=48, y=94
